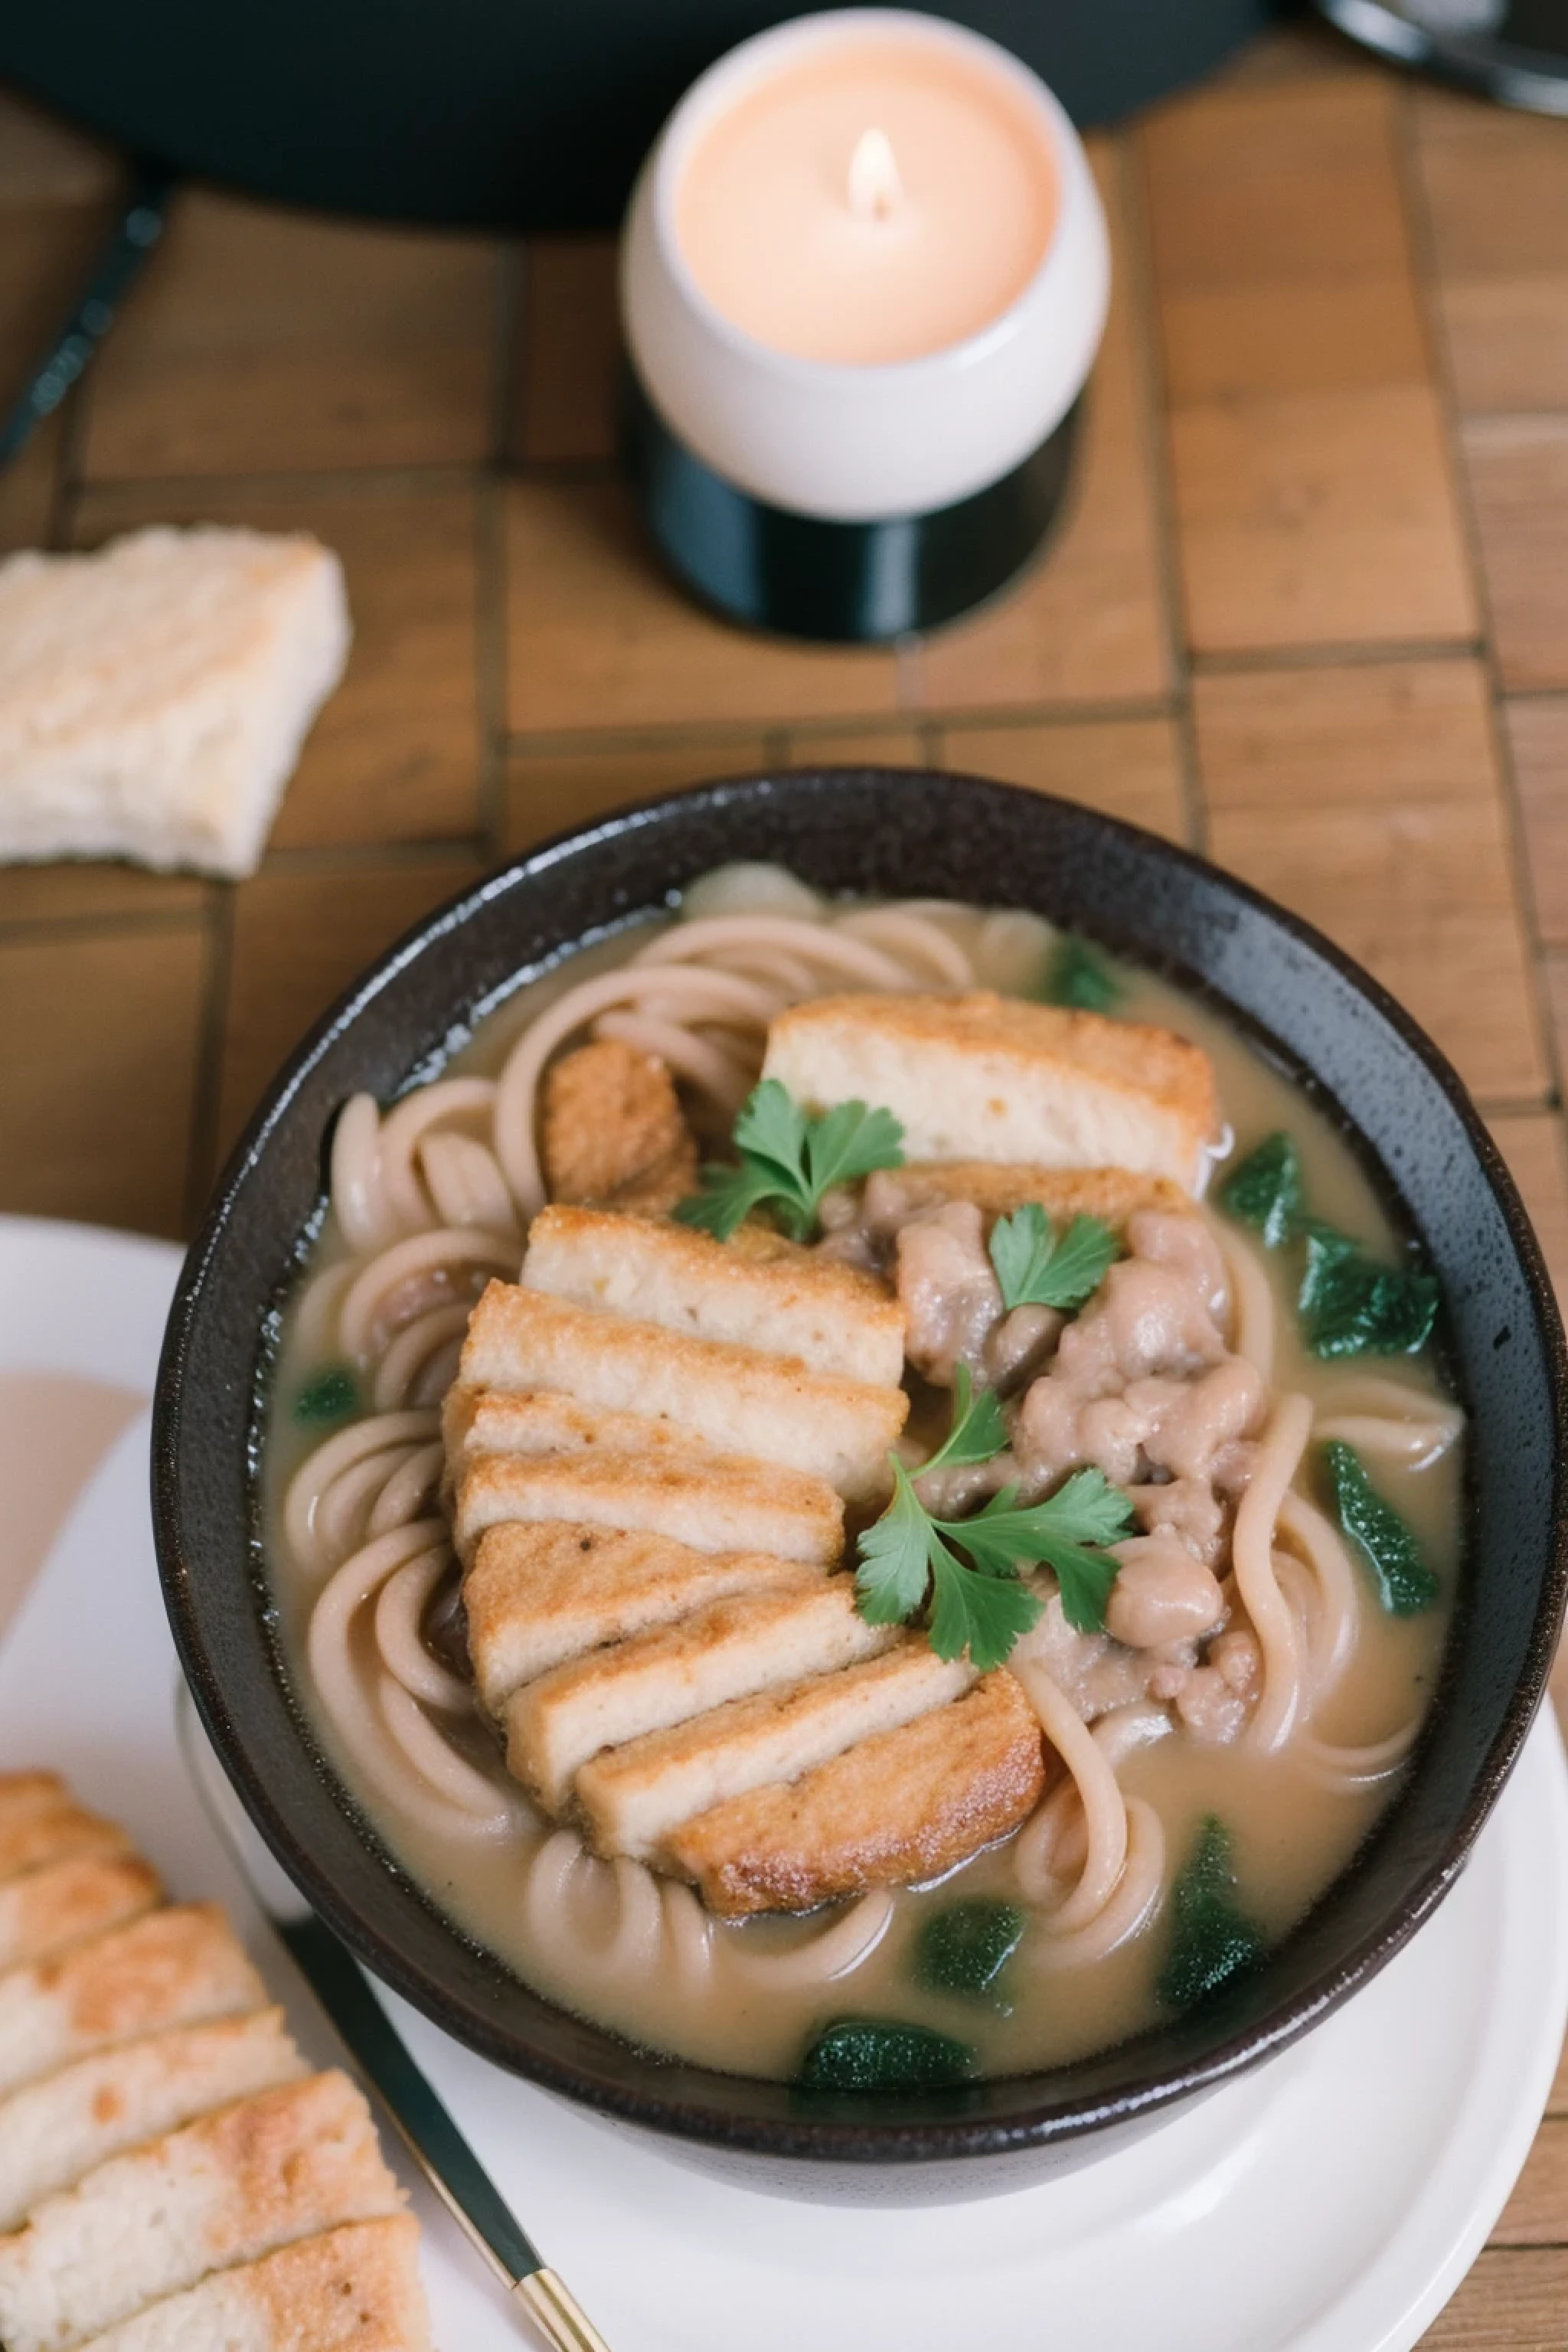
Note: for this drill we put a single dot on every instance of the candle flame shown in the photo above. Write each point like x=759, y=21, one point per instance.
x=875, y=190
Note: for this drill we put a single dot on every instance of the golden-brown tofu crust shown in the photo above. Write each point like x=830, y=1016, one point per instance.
x=898, y=1807
x=1113, y=1195
x=613, y=1130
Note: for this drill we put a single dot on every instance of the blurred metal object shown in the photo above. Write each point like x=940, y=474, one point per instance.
x=1515, y=51
x=136, y=231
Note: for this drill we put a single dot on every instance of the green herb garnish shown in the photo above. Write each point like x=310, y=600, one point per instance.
x=1214, y=1941
x=332, y=1395
x=1405, y=1585
x=1264, y=1190
x=966, y=1570
x=964, y=1948
x=789, y=1159
x=1078, y=978
x=1349, y=1305
x=867, y=2053
x=1036, y=1268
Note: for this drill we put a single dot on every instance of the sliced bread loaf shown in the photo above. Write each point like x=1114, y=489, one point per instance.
x=351, y=2290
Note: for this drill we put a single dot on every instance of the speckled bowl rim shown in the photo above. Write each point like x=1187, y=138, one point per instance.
x=926, y=2128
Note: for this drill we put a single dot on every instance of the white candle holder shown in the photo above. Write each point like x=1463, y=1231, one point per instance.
x=845, y=502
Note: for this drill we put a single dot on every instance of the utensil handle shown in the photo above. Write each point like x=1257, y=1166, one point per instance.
x=555, y=2312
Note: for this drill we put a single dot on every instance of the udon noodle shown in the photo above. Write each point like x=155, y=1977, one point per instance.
x=432, y=1197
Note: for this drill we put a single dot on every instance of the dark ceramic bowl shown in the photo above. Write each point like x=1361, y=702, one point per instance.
x=917, y=834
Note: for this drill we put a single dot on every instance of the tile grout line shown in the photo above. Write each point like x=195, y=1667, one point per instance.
x=1426, y=273
x=1134, y=196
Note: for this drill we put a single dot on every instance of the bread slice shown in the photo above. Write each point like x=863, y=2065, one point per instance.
x=175, y=1967
x=153, y=696
x=900, y=1806
x=476, y=1421
x=55, y=2130
x=719, y=1505
x=55, y=1832
x=1113, y=1195
x=770, y=1408
x=744, y=1643
x=982, y=1077
x=25, y=1794
x=632, y=1797
x=612, y=1128
x=227, y=2189
x=353, y=2289
x=832, y=1319
x=539, y=1594
x=65, y=1902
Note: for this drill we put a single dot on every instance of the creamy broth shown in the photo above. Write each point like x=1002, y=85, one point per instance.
x=568, y=1928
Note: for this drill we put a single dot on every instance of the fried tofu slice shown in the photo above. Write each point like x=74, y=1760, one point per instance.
x=54, y=2131
x=746, y=1642
x=231, y=2187
x=1112, y=1194
x=476, y=1421
x=900, y=1806
x=769, y=1408
x=631, y=1798
x=55, y=1828
x=721, y=1504
x=832, y=1318
x=982, y=1076
x=175, y=1967
x=65, y=1902
x=353, y=2289
x=539, y=1594
x=613, y=1130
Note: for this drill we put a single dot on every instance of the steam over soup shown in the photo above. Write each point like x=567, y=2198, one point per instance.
x=859, y=1494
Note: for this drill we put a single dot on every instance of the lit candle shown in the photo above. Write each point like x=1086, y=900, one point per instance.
x=864, y=280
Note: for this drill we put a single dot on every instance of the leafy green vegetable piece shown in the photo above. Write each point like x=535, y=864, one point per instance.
x=1037, y=1268
x=894, y=1574
x=867, y=2053
x=1349, y=1305
x=963, y=1949
x=332, y=1395
x=1078, y=978
x=788, y=1159
x=1406, y=1584
x=1264, y=1190
x=984, y=1613
x=1214, y=1941
x=1086, y=1511
x=978, y=1433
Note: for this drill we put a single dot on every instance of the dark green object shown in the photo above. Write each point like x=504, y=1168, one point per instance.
x=867, y=2053
x=1264, y=1190
x=1405, y=1585
x=1349, y=1305
x=1214, y=1941
x=1078, y=978
x=964, y=1948
x=332, y=1395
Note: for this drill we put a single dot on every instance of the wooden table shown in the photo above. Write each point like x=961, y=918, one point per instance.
x=1309, y=615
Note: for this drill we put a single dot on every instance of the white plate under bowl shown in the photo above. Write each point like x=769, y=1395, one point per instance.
x=1328, y=2201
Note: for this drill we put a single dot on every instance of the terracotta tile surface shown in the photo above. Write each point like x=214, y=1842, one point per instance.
x=571, y=349
x=599, y=637
x=98, y=1040
x=297, y=343
x=297, y=940
x=46, y=161
x=1089, y=623
x=29, y=490
x=547, y=791
x=1537, y=733
x=1519, y=480
x=395, y=755
x=1311, y=478
x=85, y=891
x=1128, y=767
x=1510, y=2302
x=1366, y=798
x=877, y=747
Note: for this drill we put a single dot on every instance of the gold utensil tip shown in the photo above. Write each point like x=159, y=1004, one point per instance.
x=557, y=2315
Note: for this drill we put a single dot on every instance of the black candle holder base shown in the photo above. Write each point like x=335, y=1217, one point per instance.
x=839, y=583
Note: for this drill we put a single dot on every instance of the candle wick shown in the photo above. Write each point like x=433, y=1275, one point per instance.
x=876, y=190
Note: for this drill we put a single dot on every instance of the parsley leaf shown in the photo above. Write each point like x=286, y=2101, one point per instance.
x=1086, y=1512
x=788, y=1159
x=1036, y=1268
x=895, y=1558
x=1264, y=1190
x=978, y=1432
x=982, y=1614
x=1078, y=978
